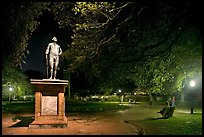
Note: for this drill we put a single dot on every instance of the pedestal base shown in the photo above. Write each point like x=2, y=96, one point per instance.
x=49, y=103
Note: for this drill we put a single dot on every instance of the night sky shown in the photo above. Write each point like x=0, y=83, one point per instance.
x=38, y=43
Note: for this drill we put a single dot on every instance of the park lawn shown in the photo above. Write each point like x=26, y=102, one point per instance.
x=182, y=123
x=19, y=107
x=89, y=107
x=185, y=124
x=81, y=107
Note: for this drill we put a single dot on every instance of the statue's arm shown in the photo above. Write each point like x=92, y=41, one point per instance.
x=60, y=50
x=47, y=50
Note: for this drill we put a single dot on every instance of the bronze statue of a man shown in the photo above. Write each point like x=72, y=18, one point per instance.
x=54, y=50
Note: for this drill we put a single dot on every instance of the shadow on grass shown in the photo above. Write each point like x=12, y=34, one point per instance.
x=157, y=118
x=25, y=121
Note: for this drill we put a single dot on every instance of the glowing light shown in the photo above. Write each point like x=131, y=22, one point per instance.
x=10, y=88
x=192, y=83
x=119, y=90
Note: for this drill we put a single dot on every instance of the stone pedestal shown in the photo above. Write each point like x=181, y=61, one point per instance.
x=49, y=103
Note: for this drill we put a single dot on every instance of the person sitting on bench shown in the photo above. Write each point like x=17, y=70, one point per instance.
x=164, y=109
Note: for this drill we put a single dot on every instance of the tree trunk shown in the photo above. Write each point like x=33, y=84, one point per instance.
x=151, y=99
x=10, y=99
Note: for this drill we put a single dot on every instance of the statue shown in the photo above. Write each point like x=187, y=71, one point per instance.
x=54, y=51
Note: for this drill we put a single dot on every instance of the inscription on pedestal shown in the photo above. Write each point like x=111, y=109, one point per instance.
x=49, y=105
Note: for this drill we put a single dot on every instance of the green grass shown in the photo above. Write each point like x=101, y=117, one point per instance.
x=182, y=122
x=82, y=107
x=86, y=107
x=186, y=124
x=18, y=107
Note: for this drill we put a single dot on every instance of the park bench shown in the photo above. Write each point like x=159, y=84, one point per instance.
x=168, y=112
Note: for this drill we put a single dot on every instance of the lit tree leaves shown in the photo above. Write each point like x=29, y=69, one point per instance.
x=134, y=45
x=15, y=78
x=18, y=25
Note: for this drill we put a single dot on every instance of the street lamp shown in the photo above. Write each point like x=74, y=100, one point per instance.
x=10, y=89
x=192, y=84
x=121, y=95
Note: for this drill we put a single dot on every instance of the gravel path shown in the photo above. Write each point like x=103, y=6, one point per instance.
x=103, y=123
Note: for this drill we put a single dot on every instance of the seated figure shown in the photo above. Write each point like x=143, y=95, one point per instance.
x=167, y=110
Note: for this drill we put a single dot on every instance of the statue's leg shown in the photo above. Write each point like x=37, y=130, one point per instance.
x=55, y=73
x=51, y=67
x=51, y=70
x=56, y=65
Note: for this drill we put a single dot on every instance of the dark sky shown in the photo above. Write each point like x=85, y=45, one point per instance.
x=38, y=42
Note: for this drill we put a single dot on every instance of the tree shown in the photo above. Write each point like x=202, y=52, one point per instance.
x=18, y=24
x=15, y=78
x=17, y=27
x=114, y=47
x=108, y=43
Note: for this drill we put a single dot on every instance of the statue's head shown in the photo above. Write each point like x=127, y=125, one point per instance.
x=54, y=39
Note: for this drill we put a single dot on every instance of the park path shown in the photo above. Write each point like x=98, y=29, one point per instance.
x=103, y=123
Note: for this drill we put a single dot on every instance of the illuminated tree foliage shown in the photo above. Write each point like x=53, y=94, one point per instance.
x=19, y=21
x=150, y=46
x=13, y=77
x=135, y=45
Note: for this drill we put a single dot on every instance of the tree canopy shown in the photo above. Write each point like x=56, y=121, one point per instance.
x=136, y=44
x=141, y=45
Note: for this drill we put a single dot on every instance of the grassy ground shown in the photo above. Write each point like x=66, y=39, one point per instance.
x=81, y=107
x=18, y=107
x=182, y=122
x=86, y=107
